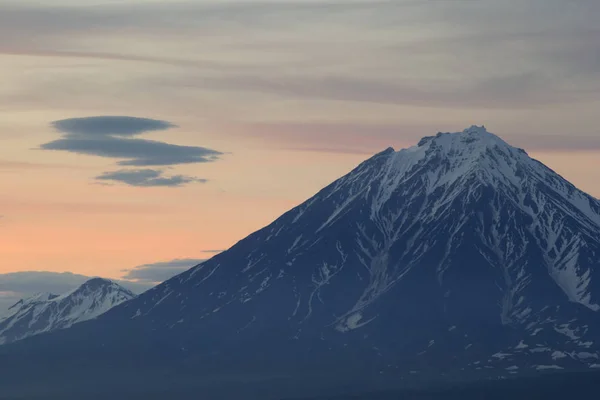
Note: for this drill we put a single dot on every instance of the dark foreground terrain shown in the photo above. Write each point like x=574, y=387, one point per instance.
x=548, y=387
x=551, y=387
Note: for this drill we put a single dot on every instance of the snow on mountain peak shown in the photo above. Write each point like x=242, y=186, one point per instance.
x=97, y=284
x=454, y=163
x=474, y=140
x=458, y=171
x=473, y=157
x=45, y=312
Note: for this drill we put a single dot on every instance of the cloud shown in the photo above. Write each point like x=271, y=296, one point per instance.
x=369, y=138
x=110, y=136
x=35, y=281
x=36, y=206
x=139, y=152
x=504, y=90
x=335, y=137
x=213, y=251
x=554, y=143
x=148, y=178
x=17, y=285
x=320, y=59
x=96, y=55
x=171, y=16
x=110, y=126
x=160, y=271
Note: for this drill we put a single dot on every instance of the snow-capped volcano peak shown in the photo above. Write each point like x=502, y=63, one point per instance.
x=447, y=162
x=475, y=138
x=45, y=312
x=461, y=152
x=453, y=163
x=460, y=255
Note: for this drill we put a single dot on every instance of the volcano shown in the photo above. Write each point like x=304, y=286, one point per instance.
x=458, y=259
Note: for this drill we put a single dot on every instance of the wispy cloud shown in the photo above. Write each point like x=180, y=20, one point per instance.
x=400, y=53
x=333, y=137
x=98, y=55
x=213, y=251
x=320, y=57
x=34, y=206
x=148, y=178
x=553, y=143
x=8, y=165
x=160, y=271
x=369, y=138
x=501, y=89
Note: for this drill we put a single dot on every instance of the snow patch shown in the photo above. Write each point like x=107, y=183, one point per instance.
x=548, y=367
x=521, y=346
x=501, y=356
x=557, y=355
x=352, y=322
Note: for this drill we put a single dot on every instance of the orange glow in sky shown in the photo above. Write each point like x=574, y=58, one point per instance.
x=290, y=105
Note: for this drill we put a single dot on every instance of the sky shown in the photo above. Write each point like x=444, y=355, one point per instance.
x=139, y=137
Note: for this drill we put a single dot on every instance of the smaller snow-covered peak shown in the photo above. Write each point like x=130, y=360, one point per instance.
x=100, y=283
x=99, y=288
x=45, y=312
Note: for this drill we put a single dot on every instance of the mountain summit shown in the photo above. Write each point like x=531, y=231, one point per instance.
x=458, y=258
x=46, y=312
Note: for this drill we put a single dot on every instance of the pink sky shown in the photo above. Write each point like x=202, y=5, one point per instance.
x=293, y=102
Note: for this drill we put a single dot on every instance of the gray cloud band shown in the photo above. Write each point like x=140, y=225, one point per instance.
x=148, y=177
x=110, y=126
x=113, y=137
x=109, y=136
x=161, y=271
x=137, y=152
